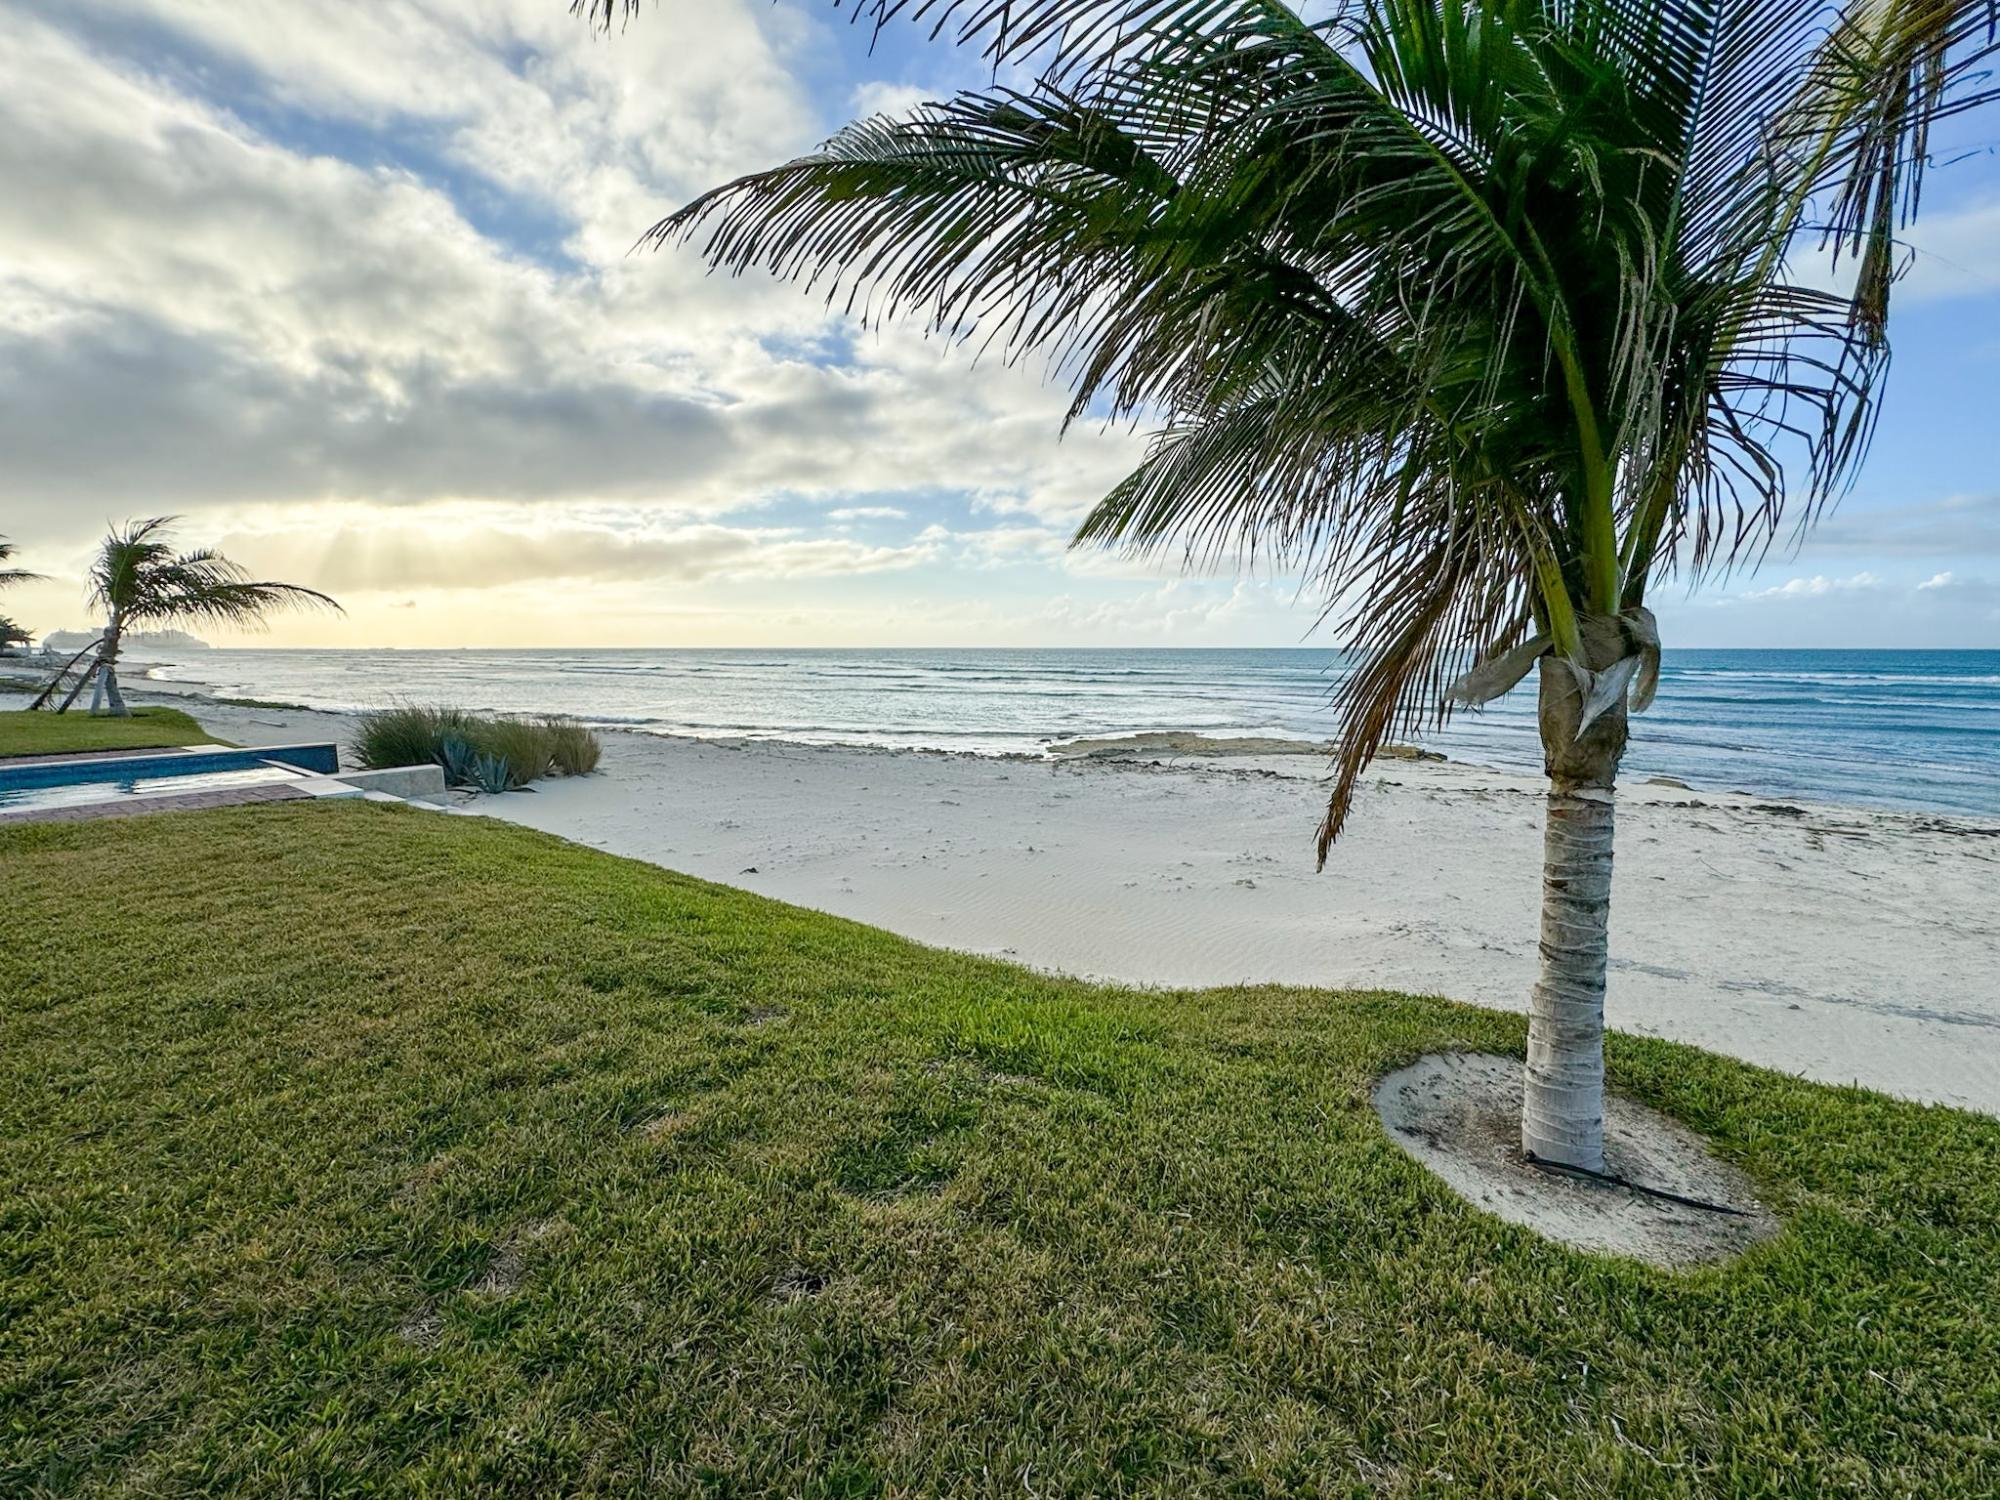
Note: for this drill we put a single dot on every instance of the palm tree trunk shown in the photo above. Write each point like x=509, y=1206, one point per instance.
x=1562, y=1104
x=107, y=666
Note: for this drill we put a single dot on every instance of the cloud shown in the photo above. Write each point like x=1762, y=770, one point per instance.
x=876, y=98
x=1950, y=587
x=867, y=513
x=195, y=311
x=515, y=90
x=351, y=549
x=1955, y=526
x=1013, y=544
x=1858, y=610
x=1815, y=587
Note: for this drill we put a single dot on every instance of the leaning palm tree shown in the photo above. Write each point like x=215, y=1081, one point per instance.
x=139, y=579
x=1478, y=313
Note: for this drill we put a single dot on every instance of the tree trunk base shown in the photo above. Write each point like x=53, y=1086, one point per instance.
x=1459, y=1114
x=114, y=697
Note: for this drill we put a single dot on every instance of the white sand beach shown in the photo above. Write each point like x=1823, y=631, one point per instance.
x=1847, y=945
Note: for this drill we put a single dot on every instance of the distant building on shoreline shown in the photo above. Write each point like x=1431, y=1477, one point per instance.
x=76, y=640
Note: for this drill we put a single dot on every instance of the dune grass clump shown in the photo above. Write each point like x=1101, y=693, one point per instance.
x=573, y=748
x=525, y=746
x=407, y=735
x=495, y=753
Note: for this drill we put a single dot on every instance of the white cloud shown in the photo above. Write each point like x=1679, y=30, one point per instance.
x=867, y=513
x=1866, y=609
x=1815, y=587
x=520, y=91
x=1953, y=589
x=356, y=549
x=875, y=98
x=1013, y=544
x=194, y=314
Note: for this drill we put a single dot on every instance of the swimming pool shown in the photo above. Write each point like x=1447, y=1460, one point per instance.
x=136, y=786
x=322, y=760
x=86, y=780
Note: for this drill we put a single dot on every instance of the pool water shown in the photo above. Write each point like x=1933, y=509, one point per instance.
x=121, y=788
x=197, y=761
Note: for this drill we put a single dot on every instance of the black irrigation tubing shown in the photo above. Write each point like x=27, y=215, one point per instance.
x=1611, y=1179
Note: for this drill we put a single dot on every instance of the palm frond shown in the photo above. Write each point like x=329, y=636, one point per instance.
x=10, y=576
x=138, y=577
x=1884, y=76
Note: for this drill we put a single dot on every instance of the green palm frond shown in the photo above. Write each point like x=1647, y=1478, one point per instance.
x=138, y=578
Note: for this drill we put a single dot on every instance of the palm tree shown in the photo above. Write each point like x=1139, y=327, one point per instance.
x=138, y=579
x=14, y=634
x=1478, y=313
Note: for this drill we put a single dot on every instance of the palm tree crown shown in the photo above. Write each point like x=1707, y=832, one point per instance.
x=137, y=578
x=1477, y=312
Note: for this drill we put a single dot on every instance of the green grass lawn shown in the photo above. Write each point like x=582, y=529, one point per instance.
x=24, y=733
x=350, y=1149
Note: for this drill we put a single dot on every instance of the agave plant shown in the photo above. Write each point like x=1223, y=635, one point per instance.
x=492, y=773
x=1478, y=313
x=459, y=760
x=138, y=579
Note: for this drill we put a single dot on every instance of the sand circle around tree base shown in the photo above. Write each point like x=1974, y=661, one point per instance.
x=1459, y=1113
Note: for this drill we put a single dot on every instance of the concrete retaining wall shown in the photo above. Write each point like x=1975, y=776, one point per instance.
x=412, y=783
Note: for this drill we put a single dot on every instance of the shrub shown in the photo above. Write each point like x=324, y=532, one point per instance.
x=500, y=753
x=575, y=749
x=524, y=744
x=407, y=735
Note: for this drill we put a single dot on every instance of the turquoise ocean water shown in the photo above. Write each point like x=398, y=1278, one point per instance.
x=1912, y=729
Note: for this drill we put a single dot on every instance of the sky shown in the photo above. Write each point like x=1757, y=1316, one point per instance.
x=352, y=289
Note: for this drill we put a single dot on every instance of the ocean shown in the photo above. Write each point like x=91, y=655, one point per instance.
x=1908, y=729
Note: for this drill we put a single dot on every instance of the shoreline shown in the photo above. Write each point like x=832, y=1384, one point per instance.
x=1903, y=737
x=1845, y=944
x=1174, y=748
